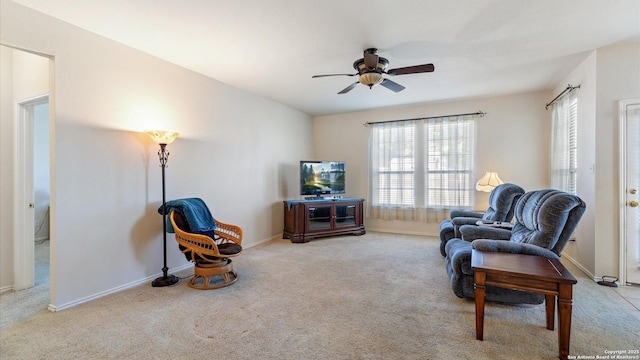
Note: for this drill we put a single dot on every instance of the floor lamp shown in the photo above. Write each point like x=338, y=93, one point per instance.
x=163, y=138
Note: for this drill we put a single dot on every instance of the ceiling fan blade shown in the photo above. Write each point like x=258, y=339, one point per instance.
x=370, y=60
x=393, y=86
x=412, y=69
x=317, y=76
x=349, y=88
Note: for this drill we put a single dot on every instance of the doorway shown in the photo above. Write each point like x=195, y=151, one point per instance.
x=26, y=184
x=630, y=191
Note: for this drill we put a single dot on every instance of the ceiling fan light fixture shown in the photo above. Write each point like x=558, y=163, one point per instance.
x=371, y=78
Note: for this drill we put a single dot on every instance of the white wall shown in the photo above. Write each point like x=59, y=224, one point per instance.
x=608, y=75
x=41, y=178
x=237, y=152
x=618, y=78
x=513, y=139
x=6, y=175
x=24, y=76
x=582, y=251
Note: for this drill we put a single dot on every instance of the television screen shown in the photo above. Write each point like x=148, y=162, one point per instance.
x=322, y=177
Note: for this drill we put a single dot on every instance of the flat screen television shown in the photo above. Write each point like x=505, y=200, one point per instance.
x=322, y=177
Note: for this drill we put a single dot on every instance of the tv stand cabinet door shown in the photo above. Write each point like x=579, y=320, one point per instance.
x=345, y=215
x=349, y=217
x=319, y=218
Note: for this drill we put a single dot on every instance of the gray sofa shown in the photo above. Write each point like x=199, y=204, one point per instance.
x=501, y=203
x=545, y=221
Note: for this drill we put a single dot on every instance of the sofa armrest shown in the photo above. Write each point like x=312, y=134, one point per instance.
x=513, y=248
x=465, y=220
x=459, y=257
x=466, y=213
x=473, y=232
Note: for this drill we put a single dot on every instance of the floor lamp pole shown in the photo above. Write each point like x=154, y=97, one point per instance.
x=165, y=279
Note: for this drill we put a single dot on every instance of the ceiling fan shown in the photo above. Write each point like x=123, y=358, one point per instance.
x=371, y=67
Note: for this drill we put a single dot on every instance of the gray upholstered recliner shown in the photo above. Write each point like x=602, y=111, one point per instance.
x=545, y=220
x=501, y=203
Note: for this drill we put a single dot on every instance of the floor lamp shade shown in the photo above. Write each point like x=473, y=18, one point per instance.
x=488, y=182
x=163, y=138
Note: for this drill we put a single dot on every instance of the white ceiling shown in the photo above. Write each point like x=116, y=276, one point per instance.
x=272, y=48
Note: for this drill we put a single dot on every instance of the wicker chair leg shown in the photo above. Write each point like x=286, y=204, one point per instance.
x=223, y=269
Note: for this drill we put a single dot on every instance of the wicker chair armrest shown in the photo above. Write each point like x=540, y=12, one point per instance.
x=196, y=244
x=228, y=232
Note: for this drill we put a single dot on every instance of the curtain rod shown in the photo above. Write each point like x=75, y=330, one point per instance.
x=569, y=88
x=479, y=113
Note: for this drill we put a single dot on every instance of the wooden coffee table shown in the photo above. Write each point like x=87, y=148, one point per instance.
x=528, y=273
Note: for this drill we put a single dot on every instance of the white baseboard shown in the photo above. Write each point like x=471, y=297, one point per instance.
x=114, y=290
x=402, y=232
x=579, y=266
x=250, y=245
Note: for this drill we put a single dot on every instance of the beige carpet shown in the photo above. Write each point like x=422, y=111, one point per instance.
x=378, y=296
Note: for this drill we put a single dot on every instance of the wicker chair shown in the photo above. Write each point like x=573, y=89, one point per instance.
x=210, y=253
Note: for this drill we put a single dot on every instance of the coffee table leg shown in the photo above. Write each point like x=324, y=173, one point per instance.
x=550, y=303
x=565, y=296
x=480, y=278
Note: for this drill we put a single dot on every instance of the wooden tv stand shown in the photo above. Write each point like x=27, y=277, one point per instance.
x=305, y=220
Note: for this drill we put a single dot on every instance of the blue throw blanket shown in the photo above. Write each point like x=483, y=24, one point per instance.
x=195, y=212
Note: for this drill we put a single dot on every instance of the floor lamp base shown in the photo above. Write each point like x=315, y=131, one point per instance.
x=165, y=281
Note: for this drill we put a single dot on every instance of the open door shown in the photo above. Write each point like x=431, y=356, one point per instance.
x=24, y=255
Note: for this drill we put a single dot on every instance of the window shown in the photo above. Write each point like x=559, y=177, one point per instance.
x=420, y=169
x=564, y=144
x=393, y=163
x=449, y=163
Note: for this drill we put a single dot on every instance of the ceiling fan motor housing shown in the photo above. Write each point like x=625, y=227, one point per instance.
x=370, y=76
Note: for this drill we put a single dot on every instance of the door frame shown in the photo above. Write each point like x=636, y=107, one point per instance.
x=622, y=113
x=23, y=244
